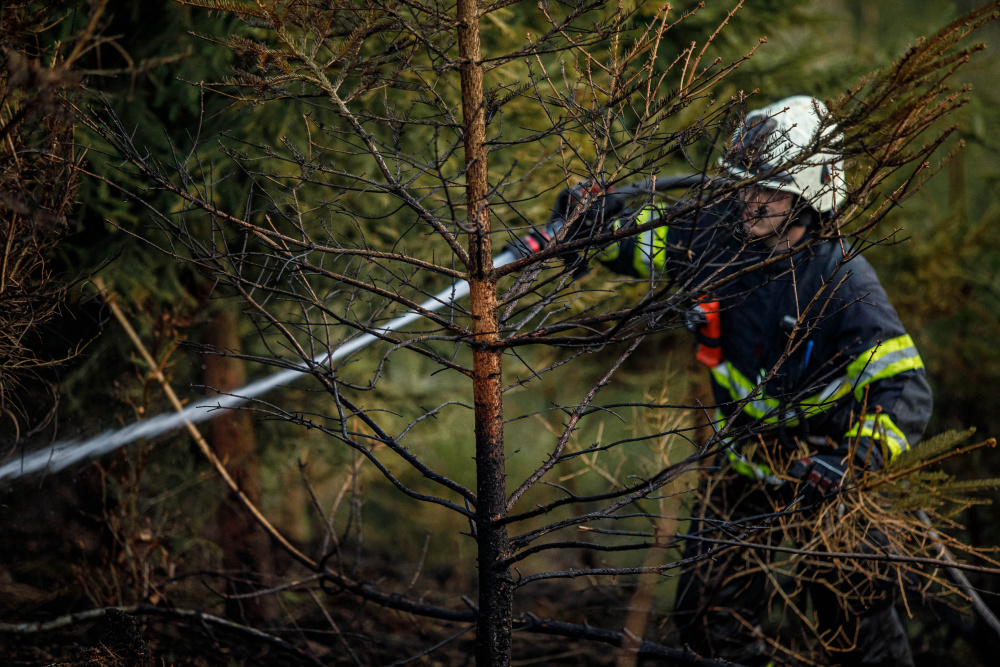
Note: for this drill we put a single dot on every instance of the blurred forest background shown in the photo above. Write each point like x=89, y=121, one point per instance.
x=152, y=525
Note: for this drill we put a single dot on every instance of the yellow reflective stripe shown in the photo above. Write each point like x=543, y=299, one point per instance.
x=741, y=389
x=639, y=259
x=766, y=408
x=651, y=245
x=660, y=244
x=883, y=361
x=744, y=466
x=881, y=428
x=825, y=399
x=747, y=468
x=612, y=252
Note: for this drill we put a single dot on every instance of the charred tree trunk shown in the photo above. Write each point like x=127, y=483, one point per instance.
x=493, y=638
x=493, y=641
x=246, y=549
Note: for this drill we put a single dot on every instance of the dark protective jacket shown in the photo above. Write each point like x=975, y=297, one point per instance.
x=811, y=346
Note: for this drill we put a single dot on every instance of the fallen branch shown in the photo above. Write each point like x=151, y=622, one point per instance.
x=523, y=623
x=201, y=618
x=196, y=434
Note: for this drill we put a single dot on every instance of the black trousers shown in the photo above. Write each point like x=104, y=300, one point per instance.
x=725, y=601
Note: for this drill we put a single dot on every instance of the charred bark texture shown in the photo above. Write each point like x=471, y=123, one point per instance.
x=493, y=639
x=493, y=645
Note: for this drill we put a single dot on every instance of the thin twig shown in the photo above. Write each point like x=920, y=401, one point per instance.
x=196, y=434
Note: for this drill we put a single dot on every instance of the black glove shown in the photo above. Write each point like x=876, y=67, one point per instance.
x=601, y=209
x=822, y=475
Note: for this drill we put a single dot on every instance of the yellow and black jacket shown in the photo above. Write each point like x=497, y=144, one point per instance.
x=810, y=345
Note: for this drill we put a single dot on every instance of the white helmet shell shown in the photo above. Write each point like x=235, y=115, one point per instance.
x=778, y=144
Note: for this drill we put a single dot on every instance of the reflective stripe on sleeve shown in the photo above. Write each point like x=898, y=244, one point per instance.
x=643, y=251
x=742, y=465
x=651, y=245
x=758, y=405
x=741, y=389
x=883, y=361
x=828, y=396
x=660, y=247
x=881, y=428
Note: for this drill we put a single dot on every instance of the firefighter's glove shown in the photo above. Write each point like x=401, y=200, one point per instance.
x=589, y=212
x=600, y=211
x=695, y=318
x=822, y=475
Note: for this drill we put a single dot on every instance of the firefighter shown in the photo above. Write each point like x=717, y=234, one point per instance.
x=804, y=351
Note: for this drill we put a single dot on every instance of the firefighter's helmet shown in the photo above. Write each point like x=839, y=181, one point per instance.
x=785, y=146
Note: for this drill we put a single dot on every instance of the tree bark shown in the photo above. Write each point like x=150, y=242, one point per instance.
x=493, y=638
x=246, y=549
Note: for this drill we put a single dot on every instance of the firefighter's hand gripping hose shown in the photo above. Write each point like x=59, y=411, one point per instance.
x=587, y=206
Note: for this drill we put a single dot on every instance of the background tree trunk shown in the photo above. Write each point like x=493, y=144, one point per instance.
x=247, y=555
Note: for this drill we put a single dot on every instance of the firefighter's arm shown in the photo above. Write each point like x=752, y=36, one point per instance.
x=640, y=255
x=695, y=237
x=891, y=397
x=890, y=414
x=588, y=211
